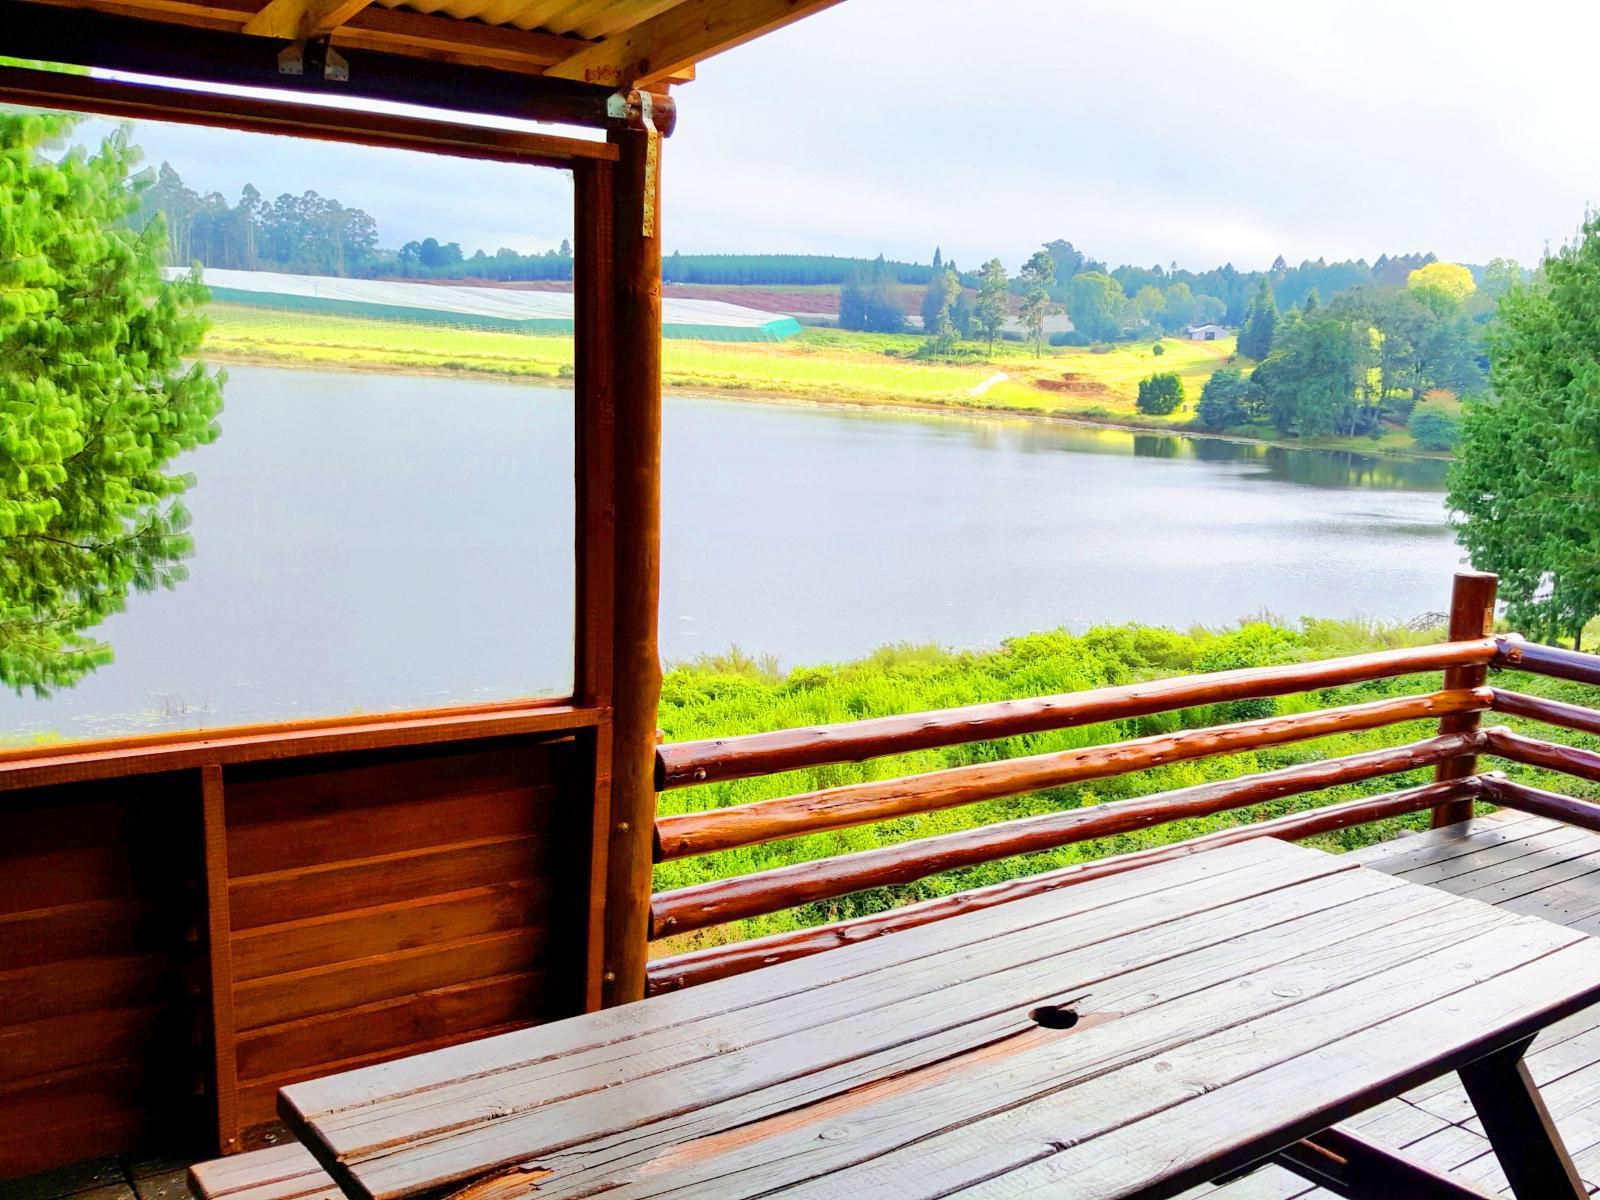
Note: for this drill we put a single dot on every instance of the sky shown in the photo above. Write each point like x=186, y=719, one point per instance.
x=1148, y=132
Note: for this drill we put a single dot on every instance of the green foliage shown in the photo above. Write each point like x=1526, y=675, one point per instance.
x=1260, y=324
x=1095, y=303
x=868, y=303
x=991, y=312
x=1309, y=382
x=1036, y=276
x=1526, y=486
x=937, y=304
x=1434, y=429
x=1225, y=400
x=699, y=700
x=95, y=401
x=1160, y=394
x=1158, y=349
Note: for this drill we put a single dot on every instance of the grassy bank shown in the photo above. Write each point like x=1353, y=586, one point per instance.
x=819, y=366
x=733, y=694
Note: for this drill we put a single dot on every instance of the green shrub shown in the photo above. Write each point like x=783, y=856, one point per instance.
x=1160, y=394
x=1158, y=348
x=1225, y=399
x=1434, y=430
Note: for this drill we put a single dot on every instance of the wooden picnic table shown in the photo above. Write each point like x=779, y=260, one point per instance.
x=1132, y=1036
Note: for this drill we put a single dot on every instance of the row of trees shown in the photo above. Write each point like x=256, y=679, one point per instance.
x=1371, y=353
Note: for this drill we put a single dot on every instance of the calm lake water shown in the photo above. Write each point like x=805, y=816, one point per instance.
x=368, y=542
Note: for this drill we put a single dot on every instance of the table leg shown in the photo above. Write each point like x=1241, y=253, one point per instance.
x=1519, y=1127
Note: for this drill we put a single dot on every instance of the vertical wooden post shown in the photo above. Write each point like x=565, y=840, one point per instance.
x=594, y=445
x=636, y=678
x=219, y=949
x=1471, y=616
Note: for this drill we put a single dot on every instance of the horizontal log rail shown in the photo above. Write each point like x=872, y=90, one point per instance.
x=1557, y=662
x=1533, y=752
x=718, y=962
x=701, y=905
x=1551, y=712
x=1583, y=813
x=710, y=760
x=880, y=800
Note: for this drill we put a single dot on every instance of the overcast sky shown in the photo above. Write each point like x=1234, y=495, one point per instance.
x=1146, y=132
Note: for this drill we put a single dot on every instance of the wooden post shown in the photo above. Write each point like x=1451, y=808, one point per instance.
x=635, y=322
x=595, y=475
x=219, y=950
x=1471, y=616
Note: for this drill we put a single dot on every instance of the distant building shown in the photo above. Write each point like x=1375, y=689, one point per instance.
x=1205, y=333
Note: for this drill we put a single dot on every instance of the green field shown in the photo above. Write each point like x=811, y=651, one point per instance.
x=819, y=366
x=733, y=694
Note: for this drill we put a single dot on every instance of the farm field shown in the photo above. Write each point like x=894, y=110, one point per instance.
x=827, y=366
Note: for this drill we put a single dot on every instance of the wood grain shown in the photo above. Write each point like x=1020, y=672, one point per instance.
x=634, y=321
x=700, y=905
x=881, y=800
x=1552, y=712
x=1471, y=616
x=684, y=764
x=679, y=971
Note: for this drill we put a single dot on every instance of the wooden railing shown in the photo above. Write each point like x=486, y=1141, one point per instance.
x=1452, y=751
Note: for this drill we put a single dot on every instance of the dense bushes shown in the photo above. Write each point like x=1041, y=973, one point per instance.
x=1225, y=399
x=1434, y=429
x=1160, y=394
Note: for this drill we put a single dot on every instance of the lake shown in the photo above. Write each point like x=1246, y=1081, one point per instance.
x=366, y=542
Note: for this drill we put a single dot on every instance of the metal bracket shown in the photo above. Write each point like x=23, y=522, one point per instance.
x=314, y=56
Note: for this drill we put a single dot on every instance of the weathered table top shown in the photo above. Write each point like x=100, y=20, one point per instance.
x=1226, y=1004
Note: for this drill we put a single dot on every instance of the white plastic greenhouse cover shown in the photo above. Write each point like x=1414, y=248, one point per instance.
x=484, y=307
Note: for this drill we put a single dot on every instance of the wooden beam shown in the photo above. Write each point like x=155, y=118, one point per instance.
x=219, y=951
x=635, y=333
x=681, y=36
x=406, y=58
x=1471, y=617
x=595, y=443
x=700, y=905
x=80, y=93
x=694, y=833
x=710, y=760
x=296, y=19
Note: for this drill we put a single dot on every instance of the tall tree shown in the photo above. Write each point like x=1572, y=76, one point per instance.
x=992, y=305
x=1036, y=276
x=937, y=303
x=1525, y=488
x=1260, y=324
x=1095, y=303
x=96, y=400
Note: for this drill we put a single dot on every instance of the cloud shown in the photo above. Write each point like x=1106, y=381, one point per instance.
x=1143, y=133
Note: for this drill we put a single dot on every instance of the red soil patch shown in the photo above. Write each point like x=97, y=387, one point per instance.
x=1073, y=384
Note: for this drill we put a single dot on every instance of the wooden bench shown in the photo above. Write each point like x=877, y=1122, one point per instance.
x=281, y=1173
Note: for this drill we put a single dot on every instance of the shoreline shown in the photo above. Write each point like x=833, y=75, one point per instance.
x=903, y=408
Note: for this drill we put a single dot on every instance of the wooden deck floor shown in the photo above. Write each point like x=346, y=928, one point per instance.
x=1527, y=865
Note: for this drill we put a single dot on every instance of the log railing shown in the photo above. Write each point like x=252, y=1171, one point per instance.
x=1453, y=752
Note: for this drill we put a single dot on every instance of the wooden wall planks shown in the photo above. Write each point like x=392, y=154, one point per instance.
x=102, y=967
x=354, y=906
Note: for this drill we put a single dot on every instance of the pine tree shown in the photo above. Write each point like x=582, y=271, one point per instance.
x=95, y=400
x=1260, y=324
x=938, y=260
